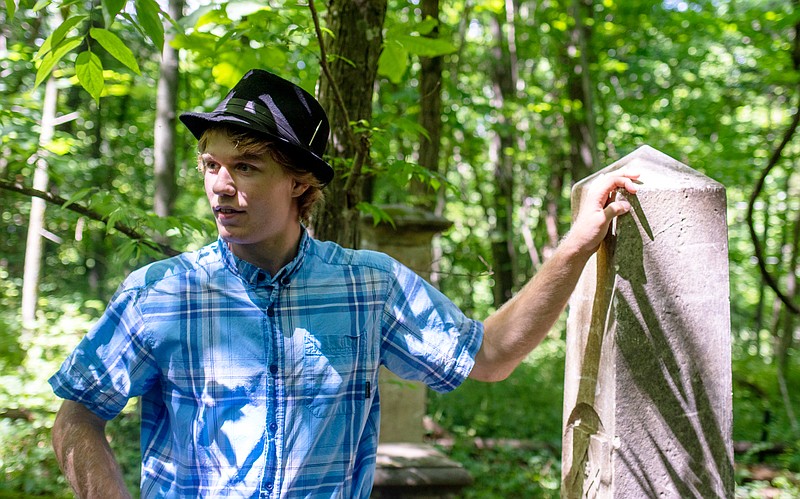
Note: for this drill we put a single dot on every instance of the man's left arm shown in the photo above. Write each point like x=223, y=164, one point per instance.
x=523, y=322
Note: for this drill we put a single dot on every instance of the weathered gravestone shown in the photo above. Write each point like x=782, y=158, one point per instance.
x=647, y=400
x=406, y=466
x=408, y=239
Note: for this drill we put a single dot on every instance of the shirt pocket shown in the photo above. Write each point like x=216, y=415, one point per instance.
x=336, y=373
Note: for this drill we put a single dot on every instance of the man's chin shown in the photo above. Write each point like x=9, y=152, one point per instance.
x=228, y=237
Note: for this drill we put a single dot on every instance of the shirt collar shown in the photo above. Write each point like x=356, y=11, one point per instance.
x=254, y=275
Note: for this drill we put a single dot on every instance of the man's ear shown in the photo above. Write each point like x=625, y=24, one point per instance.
x=299, y=189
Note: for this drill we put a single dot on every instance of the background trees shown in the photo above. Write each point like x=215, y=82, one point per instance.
x=533, y=96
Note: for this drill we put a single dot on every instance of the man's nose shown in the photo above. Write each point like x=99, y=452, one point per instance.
x=223, y=183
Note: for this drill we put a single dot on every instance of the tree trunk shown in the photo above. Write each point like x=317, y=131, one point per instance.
x=504, y=78
x=554, y=206
x=34, y=247
x=430, y=116
x=581, y=121
x=355, y=45
x=166, y=101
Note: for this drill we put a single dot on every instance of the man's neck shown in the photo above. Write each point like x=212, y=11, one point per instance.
x=272, y=255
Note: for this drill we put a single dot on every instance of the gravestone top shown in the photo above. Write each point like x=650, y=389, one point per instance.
x=658, y=171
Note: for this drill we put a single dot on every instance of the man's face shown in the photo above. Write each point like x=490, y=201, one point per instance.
x=251, y=196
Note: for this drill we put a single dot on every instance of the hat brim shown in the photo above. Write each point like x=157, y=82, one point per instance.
x=198, y=123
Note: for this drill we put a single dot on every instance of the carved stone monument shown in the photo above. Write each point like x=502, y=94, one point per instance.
x=647, y=400
x=409, y=241
x=407, y=467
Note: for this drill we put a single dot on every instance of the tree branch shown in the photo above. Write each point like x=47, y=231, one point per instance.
x=87, y=212
x=759, y=250
x=323, y=61
x=773, y=160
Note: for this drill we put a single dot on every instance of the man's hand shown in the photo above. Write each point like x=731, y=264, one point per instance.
x=598, y=207
x=518, y=327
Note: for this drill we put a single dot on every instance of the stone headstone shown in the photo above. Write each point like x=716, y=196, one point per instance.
x=408, y=239
x=406, y=466
x=647, y=401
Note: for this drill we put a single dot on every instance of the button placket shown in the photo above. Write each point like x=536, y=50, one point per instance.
x=274, y=368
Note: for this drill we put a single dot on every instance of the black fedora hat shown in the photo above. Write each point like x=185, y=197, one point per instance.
x=267, y=104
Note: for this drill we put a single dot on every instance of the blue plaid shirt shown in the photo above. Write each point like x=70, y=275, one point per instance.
x=265, y=386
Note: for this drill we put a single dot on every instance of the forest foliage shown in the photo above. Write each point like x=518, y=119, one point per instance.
x=526, y=87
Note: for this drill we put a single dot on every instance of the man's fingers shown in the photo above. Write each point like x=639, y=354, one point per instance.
x=605, y=186
x=620, y=178
x=616, y=208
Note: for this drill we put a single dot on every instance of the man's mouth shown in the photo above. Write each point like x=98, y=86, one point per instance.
x=226, y=210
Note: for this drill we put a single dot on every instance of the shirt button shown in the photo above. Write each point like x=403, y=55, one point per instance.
x=285, y=281
x=273, y=427
x=269, y=486
x=271, y=311
x=273, y=369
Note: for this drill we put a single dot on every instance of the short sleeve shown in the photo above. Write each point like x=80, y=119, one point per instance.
x=426, y=337
x=112, y=363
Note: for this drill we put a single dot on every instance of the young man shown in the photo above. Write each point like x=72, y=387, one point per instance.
x=257, y=356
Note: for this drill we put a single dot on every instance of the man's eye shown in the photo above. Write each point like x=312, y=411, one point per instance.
x=210, y=166
x=244, y=167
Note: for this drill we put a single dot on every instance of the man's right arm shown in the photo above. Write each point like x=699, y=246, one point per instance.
x=79, y=441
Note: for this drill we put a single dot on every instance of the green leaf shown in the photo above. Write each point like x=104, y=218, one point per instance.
x=40, y=5
x=224, y=38
x=79, y=195
x=378, y=214
x=190, y=20
x=59, y=146
x=127, y=250
x=110, y=10
x=273, y=56
x=113, y=217
x=115, y=47
x=90, y=73
x=216, y=16
x=133, y=22
x=52, y=58
x=495, y=6
x=58, y=35
x=393, y=61
x=226, y=73
x=147, y=12
x=336, y=57
x=427, y=26
x=11, y=8
x=203, y=44
x=426, y=47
